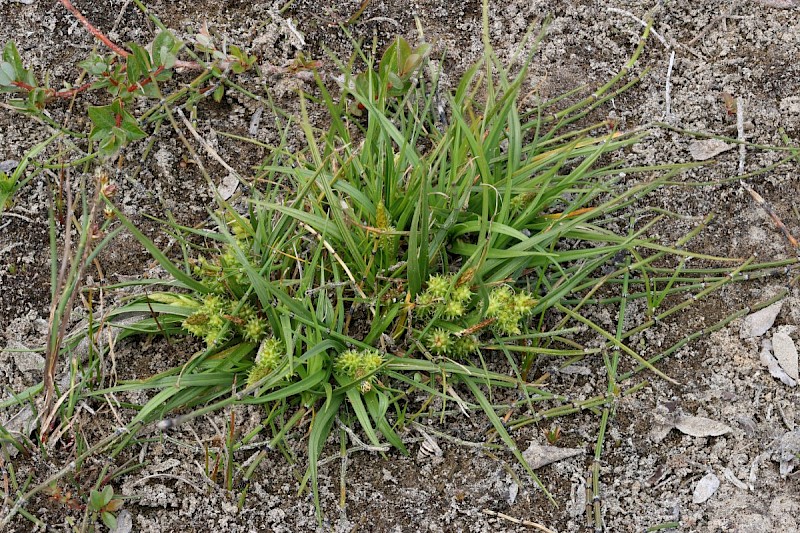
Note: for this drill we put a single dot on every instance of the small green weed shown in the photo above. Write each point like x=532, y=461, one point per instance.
x=102, y=503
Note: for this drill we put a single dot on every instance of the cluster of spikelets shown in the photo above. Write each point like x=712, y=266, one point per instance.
x=218, y=318
x=224, y=272
x=383, y=223
x=443, y=342
x=269, y=356
x=504, y=313
x=351, y=364
x=508, y=308
x=443, y=294
x=220, y=315
x=359, y=365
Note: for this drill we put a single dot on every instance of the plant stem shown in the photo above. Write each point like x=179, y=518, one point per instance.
x=94, y=31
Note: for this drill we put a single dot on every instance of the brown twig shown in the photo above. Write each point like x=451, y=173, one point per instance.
x=760, y=201
x=763, y=204
x=528, y=523
x=94, y=31
x=721, y=18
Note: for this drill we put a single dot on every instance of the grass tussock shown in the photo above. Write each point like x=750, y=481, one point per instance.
x=422, y=241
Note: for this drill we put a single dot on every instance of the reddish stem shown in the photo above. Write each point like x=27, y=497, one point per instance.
x=23, y=85
x=192, y=65
x=110, y=44
x=94, y=31
x=52, y=93
x=69, y=93
x=145, y=81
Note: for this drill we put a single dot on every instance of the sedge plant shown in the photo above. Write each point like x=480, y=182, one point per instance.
x=397, y=252
x=422, y=241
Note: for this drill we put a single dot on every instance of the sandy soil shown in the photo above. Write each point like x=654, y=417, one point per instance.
x=648, y=475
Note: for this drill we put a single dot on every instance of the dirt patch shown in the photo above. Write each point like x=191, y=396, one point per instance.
x=647, y=479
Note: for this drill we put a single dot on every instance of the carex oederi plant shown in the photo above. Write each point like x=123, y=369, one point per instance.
x=424, y=240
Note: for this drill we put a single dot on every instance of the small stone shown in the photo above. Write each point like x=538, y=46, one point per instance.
x=228, y=186
x=758, y=323
x=165, y=466
x=22, y=422
x=708, y=148
x=577, y=370
x=730, y=476
x=705, y=488
x=790, y=105
x=787, y=453
x=785, y=353
x=255, y=121
x=775, y=370
x=25, y=359
x=780, y=4
x=697, y=426
x=539, y=456
x=124, y=522
x=513, y=491
x=8, y=165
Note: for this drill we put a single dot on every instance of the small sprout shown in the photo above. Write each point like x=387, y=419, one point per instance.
x=241, y=60
x=113, y=126
x=204, y=40
x=301, y=63
x=398, y=64
x=552, y=435
x=165, y=47
x=103, y=503
x=219, y=93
